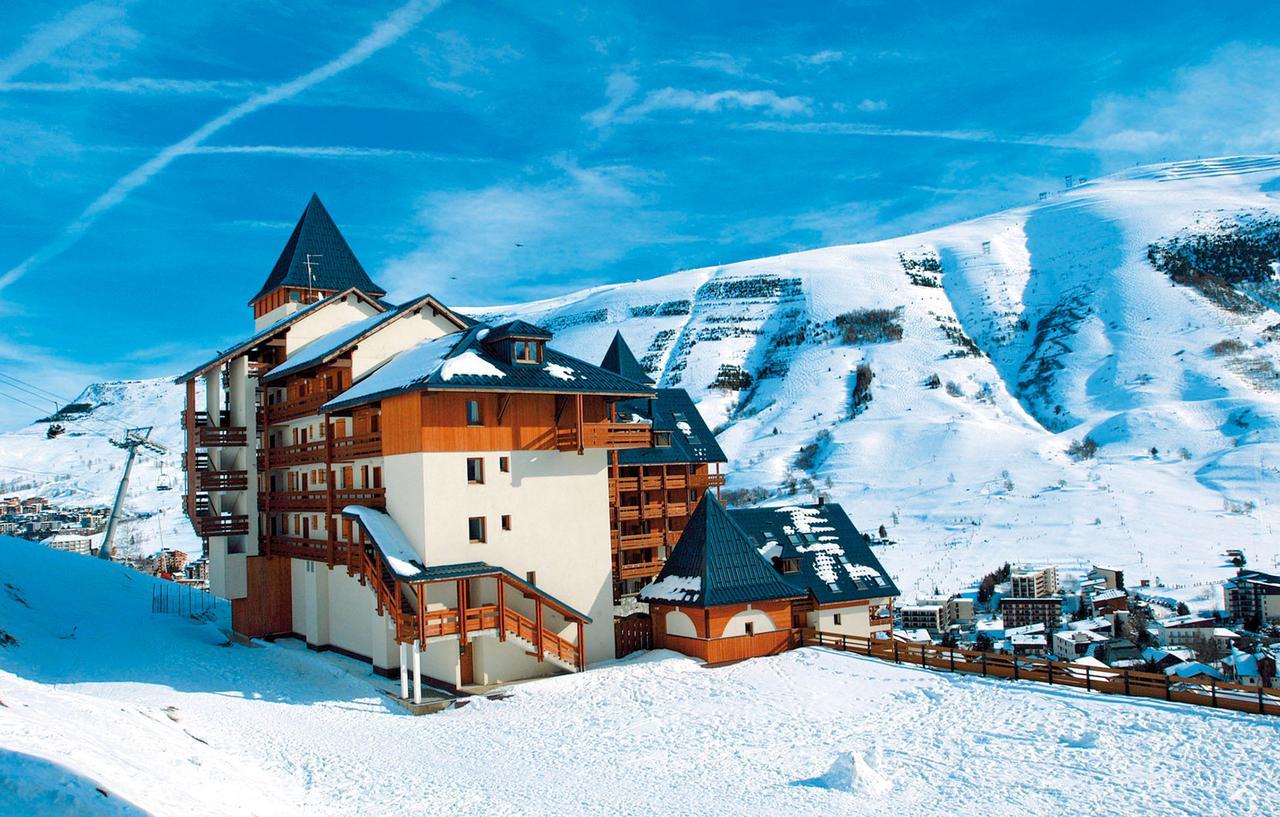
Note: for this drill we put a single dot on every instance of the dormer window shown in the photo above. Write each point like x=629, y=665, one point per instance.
x=527, y=351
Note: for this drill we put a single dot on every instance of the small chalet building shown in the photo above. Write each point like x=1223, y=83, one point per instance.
x=653, y=491
x=402, y=484
x=740, y=583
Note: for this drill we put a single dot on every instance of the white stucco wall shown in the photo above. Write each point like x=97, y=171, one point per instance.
x=853, y=620
x=397, y=336
x=678, y=623
x=496, y=662
x=558, y=503
x=738, y=624
x=325, y=319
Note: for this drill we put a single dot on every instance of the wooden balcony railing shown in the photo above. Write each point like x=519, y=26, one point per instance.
x=222, y=525
x=654, y=510
x=639, y=570
x=357, y=446
x=317, y=500
x=222, y=480
x=308, y=453
x=605, y=435
x=221, y=436
x=637, y=541
x=302, y=407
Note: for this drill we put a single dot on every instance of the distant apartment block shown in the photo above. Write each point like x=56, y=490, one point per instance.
x=1019, y=611
x=1034, y=583
x=1253, y=594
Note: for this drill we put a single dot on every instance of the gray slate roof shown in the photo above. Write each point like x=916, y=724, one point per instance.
x=715, y=563
x=464, y=361
x=618, y=358
x=836, y=562
x=334, y=266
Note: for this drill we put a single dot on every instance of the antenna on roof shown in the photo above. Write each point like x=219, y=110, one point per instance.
x=311, y=277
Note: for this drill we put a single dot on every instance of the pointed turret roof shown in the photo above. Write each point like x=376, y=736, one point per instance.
x=715, y=563
x=619, y=360
x=334, y=266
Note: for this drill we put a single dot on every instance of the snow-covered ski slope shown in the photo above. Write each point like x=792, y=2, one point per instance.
x=1078, y=335
x=154, y=710
x=80, y=467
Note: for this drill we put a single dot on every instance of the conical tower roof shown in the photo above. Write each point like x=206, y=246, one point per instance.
x=619, y=360
x=334, y=266
x=715, y=563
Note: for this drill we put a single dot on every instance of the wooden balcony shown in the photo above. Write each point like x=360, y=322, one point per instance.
x=299, y=548
x=605, y=435
x=653, y=510
x=293, y=409
x=222, y=480
x=221, y=436
x=222, y=525
x=639, y=570
x=317, y=500
x=674, y=482
x=357, y=446
x=638, y=541
x=308, y=453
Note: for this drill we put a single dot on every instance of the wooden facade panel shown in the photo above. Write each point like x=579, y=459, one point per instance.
x=267, y=609
x=432, y=421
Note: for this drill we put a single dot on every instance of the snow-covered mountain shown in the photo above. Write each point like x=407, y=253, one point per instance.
x=80, y=466
x=989, y=348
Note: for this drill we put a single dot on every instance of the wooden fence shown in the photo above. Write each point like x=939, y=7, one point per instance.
x=184, y=600
x=1201, y=692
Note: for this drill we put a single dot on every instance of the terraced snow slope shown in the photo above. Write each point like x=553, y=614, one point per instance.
x=156, y=712
x=1074, y=333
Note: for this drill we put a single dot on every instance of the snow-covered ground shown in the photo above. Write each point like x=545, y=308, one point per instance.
x=81, y=467
x=165, y=717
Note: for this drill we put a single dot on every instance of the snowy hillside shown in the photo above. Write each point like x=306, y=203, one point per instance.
x=106, y=708
x=989, y=348
x=80, y=467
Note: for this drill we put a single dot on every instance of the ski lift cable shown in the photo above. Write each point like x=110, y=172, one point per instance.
x=43, y=393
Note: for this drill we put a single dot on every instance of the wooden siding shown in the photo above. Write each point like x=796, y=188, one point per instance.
x=279, y=297
x=715, y=648
x=433, y=421
x=267, y=609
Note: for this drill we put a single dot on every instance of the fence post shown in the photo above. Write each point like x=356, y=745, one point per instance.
x=1262, y=707
x=895, y=651
x=984, y=664
x=844, y=643
x=1088, y=681
x=1213, y=691
x=952, y=654
x=1050, y=673
x=1015, y=667
x=1126, y=682
x=1168, y=689
x=924, y=656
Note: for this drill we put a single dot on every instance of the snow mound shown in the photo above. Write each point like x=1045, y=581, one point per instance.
x=850, y=772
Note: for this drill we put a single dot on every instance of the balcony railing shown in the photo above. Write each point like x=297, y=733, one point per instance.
x=222, y=525
x=605, y=435
x=638, y=541
x=307, y=453
x=317, y=500
x=358, y=446
x=222, y=480
x=301, y=407
x=639, y=570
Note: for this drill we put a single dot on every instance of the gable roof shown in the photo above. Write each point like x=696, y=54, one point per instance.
x=836, y=562
x=464, y=361
x=715, y=563
x=619, y=359
x=344, y=338
x=336, y=266
x=267, y=332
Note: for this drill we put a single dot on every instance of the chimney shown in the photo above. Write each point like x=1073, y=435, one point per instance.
x=822, y=500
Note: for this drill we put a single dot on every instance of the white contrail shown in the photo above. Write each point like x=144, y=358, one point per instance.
x=47, y=39
x=391, y=29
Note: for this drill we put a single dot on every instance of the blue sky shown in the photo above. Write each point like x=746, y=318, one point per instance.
x=154, y=156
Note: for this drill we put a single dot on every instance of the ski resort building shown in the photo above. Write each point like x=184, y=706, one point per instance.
x=653, y=491
x=740, y=583
x=403, y=484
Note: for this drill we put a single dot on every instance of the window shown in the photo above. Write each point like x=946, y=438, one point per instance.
x=750, y=627
x=528, y=351
x=790, y=565
x=504, y=464
x=532, y=577
x=506, y=521
x=475, y=470
x=377, y=476
x=475, y=528
x=473, y=413
x=836, y=619
x=662, y=439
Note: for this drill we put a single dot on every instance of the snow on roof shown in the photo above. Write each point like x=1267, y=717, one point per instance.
x=1107, y=595
x=675, y=588
x=1193, y=669
x=468, y=363
x=404, y=369
x=559, y=371
x=401, y=557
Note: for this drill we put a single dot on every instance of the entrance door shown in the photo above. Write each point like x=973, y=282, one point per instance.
x=467, y=672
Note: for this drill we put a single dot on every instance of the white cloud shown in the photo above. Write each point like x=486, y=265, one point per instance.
x=1227, y=105
x=859, y=129
x=386, y=32
x=872, y=105
x=131, y=85
x=820, y=58
x=325, y=152
x=620, y=90
x=481, y=244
